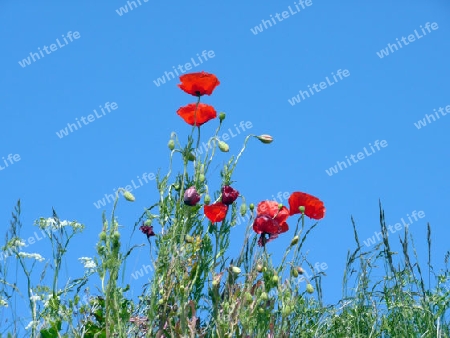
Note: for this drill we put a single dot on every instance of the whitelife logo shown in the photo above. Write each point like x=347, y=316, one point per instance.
x=90, y=118
x=53, y=47
x=411, y=38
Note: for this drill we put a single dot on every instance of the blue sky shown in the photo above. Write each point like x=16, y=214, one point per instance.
x=117, y=59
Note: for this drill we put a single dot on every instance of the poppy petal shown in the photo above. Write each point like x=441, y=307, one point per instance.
x=314, y=207
x=198, y=84
x=265, y=224
x=200, y=114
x=216, y=212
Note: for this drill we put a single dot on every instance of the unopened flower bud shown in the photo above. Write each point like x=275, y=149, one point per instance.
x=223, y=146
x=221, y=116
x=300, y=270
x=294, y=240
x=188, y=239
x=275, y=278
x=236, y=270
x=171, y=144
x=191, y=157
x=294, y=272
x=243, y=209
x=102, y=235
x=248, y=297
x=207, y=199
x=128, y=196
x=286, y=310
x=309, y=288
x=161, y=301
x=116, y=235
x=264, y=296
x=191, y=196
x=265, y=138
x=259, y=268
x=251, y=206
x=176, y=186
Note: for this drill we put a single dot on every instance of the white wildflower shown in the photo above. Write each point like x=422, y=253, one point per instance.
x=31, y=324
x=88, y=262
x=35, y=256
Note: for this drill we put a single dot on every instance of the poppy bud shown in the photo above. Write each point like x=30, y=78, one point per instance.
x=207, y=199
x=275, y=279
x=294, y=240
x=102, y=236
x=128, y=196
x=191, y=196
x=221, y=116
x=286, y=310
x=171, y=144
x=294, y=273
x=265, y=138
x=189, y=239
x=264, y=296
x=161, y=301
x=236, y=270
x=176, y=186
x=309, y=288
x=300, y=270
x=224, y=147
x=201, y=178
x=248, y=297
x=259, y=268
x=251, y=206
x=191, y=157
x=243, y=209
x=301, y=208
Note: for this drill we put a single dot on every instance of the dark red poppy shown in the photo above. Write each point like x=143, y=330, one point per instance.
x=200, y=114
x=314, y=207
x=270, y=220
x=198, y=84
x=147, y=230
x=216, y=212
x=229, y=195
x=191, y=197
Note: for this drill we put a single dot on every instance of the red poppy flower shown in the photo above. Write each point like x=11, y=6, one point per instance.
x=198, y=84
x=314, y=207
x=272, y=209
x=216, y=212
x=229, y=195
x=270, y=220
x=147, y=230
x=201, y=115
